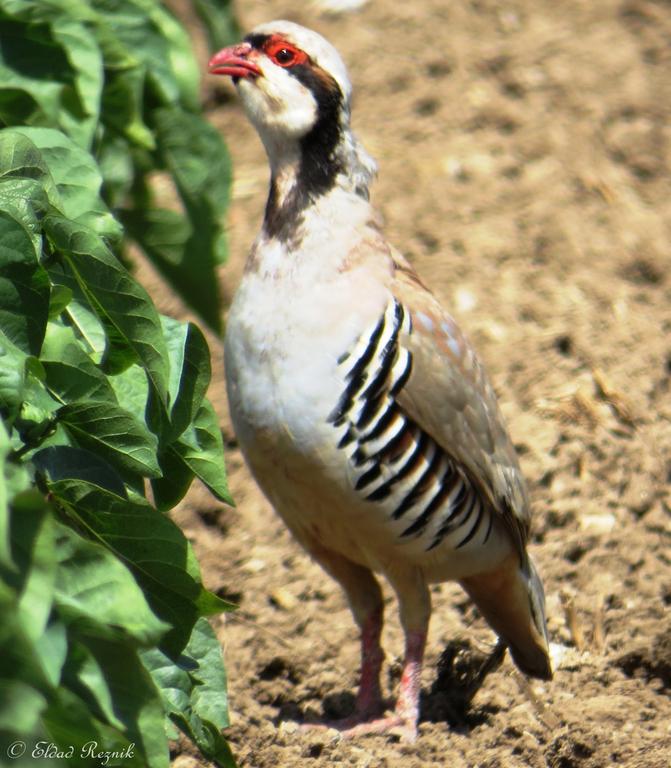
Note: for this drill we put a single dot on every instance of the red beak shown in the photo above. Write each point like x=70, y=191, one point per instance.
x=233, y=61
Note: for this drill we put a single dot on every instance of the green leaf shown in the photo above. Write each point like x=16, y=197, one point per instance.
x=117, y=299
x=24, y=286
x=116, y=165
x=77, y=179
x=118, y=436
x=77, y=378
x=201, y=448
x=131, y=389
x=194, y=692
x=95, y=590
x=27, y=190
x=52, y=649
x=20, y=707
x=85, y=59
x=153, y=547
x=190, y=372
x=60, y=297
x=32, y=540
x=219, y=22
x=148, y=32
x=135, y=699
x=210, y=698
x=197, y=158
x=18, y=657
x=63, y=462
x=23, y=399
x=187, y=252
x=71, y=726
x=176, y=479
x=5, y=497
x=12, y=377
x=33, y=72
x=85, y=677
x=71, y=375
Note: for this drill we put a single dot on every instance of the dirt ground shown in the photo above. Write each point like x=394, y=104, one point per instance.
x=524, y=153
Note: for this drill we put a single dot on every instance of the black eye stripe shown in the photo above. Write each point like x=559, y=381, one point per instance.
x=257, y=41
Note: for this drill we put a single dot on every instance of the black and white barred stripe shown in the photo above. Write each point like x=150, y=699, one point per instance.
x=397, y=462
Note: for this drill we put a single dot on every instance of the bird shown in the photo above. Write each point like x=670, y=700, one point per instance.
x=360, y=407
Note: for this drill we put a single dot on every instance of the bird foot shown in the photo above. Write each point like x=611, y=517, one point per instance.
x=357, y=725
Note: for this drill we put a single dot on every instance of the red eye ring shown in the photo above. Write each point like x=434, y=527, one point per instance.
x=284, y=54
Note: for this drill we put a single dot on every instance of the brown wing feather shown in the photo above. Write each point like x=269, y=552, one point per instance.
x=448, y=394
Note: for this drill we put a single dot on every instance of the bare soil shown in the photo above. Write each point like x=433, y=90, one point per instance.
x=525, y=169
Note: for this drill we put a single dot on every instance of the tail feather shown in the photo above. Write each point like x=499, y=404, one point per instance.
x=512, y=601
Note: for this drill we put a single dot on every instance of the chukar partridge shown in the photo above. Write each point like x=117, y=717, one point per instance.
x=360, y=407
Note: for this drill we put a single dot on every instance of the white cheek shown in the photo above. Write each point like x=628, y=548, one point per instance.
x=278, y=102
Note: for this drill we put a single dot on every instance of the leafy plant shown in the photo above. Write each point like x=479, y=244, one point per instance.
x=119, y=78
x=104, y=629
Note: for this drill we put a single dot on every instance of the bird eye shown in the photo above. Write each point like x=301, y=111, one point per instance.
x=284, y=56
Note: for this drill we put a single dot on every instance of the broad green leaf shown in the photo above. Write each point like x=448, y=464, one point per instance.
x=116, y=165
x=187, y=252
x=117, y=299
x=190, y=372
x=18, y=655
x=20, y=707
x=5, y=497
x=90, y=328
x=210, y=699
x=59, y=299
x=135, y=698
x=153, y=547
x=201, y=448
x=32, y=542
x=52, y=649
x=118, y=436
x=176, y=479
x=147, y=31
x=85, y=58
x=122, y=104
x=71, y=375
x=219, y=22
x=24, y=286
x=33, y=73
x=85, y=677
x=26, y=189
x=63, y=462
x=70, y=724
x=131, y=389
x=13, y=372
x=183, y=65
x=36, y=418
x=194, y=691
x=94, y=589
x=197, y=158
x=77, y=179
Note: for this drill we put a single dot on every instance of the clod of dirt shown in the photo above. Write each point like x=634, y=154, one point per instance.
x=459, y=677
x=278, y=667
x=568, y=751
x=650, y=663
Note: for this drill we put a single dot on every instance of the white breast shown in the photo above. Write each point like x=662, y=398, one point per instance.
x=285, y=332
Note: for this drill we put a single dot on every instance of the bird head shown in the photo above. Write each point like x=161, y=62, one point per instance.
x=289, y=79
x=296, y=92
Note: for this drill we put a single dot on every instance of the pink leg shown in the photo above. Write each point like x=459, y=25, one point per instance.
x=407, y=705
x=414, y=601
x=406, y=713
x=365, y=599
x=369, y=697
